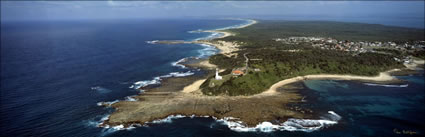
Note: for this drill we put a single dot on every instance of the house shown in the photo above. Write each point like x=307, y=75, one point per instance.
x=237, y=73
x=217, y=77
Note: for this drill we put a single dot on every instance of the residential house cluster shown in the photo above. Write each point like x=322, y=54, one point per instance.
x=345, y=45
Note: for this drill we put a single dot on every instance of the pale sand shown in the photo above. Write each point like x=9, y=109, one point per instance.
x=207, y=64
x=383, y=76
x=194, y=86
x=414, y=64
x=226, y=48
x=225, y=33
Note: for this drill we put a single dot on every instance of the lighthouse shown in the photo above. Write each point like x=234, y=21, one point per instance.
x=217, y=77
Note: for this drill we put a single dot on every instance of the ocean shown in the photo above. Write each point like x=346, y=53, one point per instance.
x=54, y=74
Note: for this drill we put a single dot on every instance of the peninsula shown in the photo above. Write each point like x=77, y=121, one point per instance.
x=259, y=61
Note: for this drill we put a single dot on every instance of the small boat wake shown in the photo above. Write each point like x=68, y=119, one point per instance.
x=390, y=86
x=100, y=89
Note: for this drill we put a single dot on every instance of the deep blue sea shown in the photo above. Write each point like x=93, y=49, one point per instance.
x=54, y=73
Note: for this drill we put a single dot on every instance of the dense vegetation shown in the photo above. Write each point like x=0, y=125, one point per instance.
x=278, y=62
x=419, y=54
x=277, y=65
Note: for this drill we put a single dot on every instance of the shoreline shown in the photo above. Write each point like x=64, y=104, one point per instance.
x=226, y=34
x=386, y=76
x=225, y=47
x=382, y=77
x=204, y=64
x=186, y=99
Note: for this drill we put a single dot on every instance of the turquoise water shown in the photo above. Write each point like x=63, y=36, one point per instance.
x=371, y=110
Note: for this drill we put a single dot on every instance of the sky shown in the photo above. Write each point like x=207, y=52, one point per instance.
x=82, y=10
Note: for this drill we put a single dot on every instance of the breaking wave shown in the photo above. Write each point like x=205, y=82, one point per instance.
x=130, y=98
x=292, y=124
x=178, y=74
x=107, y=103
x=178, y=63
x=391, y=86
x=196, y=31
x=207, y=51
x=213, y=35
x=238, y=25
x=110, y=129
x=157, y=80
x=168, y=119
x=140, y=84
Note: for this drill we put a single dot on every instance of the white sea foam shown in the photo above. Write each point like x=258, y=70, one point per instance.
x=140, y=84
x=130, y=98
x=177, y=63
x=178, y=74
x=207, y=51
x=196, y=31
x=109, y=129
x=168, y=119
x=157, y=80
x=108, y=103
x=100, y=89
x=391, y=86
x=292, y=124
x=96, y=123
x=152, y=42
x=213, y=35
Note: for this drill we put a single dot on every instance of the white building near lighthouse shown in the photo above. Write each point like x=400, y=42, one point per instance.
x=217, y=77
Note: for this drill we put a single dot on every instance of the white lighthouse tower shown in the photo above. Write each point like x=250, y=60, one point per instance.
x=217, y=77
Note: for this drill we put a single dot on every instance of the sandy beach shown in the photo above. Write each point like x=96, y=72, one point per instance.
x=183, y=96
x=193, y=87
x=226, y=33
x=383, y=76
x=226, y=48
